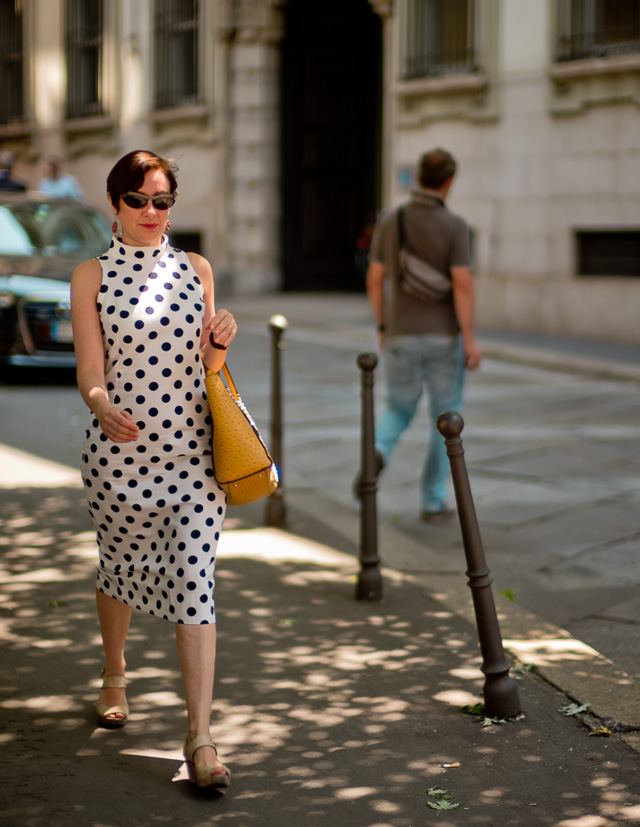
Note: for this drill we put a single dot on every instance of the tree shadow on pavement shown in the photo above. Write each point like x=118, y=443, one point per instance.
x=328, y=710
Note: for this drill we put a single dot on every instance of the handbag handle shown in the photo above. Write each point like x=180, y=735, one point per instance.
x=227, y=376
x=224, y=368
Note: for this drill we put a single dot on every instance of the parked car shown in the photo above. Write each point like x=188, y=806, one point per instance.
x=42, y=240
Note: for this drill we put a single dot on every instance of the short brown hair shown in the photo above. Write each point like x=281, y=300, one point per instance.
x=435, y=167
x=129, y=172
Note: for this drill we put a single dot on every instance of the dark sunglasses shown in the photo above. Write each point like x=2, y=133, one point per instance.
x=138, y=200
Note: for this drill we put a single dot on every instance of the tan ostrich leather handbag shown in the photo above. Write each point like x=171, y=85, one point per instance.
x=241, y=462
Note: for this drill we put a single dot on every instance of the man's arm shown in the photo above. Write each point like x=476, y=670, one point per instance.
x=375, y=291
x=464, y=302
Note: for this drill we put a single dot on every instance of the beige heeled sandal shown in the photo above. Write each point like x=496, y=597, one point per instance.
x=104, y=711
x=208, y=775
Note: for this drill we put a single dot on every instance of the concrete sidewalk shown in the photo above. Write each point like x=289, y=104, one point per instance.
x=328, y=710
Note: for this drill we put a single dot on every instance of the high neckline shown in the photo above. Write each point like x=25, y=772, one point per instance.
x=130, y=253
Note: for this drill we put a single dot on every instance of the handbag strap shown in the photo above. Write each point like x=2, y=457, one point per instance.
x=230, y=382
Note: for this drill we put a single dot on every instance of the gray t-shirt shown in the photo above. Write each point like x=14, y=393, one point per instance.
x=438, y=237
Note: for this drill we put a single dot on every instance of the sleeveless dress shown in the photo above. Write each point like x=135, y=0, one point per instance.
x=155, y=504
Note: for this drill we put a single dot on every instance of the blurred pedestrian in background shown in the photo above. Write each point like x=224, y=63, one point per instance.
x=7, y=182
x=145, y=329
x=421, y=291
x=58, y=184
x=363, y=243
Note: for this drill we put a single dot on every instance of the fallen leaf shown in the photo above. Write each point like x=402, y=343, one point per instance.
x=441, y=805
x=436, y=792
x=601, y=730
x=492, y=721
x=476, y=710
x=508, y=594
x=573, y=709
x=523, y=667
x=441, y=800
x=56, y=604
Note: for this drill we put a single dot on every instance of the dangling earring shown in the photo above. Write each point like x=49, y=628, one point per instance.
x=167, y=226
x=114, y=227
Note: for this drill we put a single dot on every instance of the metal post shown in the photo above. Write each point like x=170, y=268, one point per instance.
x=275, y=512
x=500, y=692
x=369, y=585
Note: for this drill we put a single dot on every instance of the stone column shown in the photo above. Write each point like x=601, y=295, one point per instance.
x=384, y=10
x=253, y=31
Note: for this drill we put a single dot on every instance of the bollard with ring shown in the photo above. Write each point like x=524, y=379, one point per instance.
x=369, y=583
x=275, y=512
x=500, y=692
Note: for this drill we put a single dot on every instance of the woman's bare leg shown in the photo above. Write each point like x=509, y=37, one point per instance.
x=114, y=618
x=196, y=646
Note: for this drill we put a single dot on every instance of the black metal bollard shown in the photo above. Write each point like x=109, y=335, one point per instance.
x=275, y=512
x=369, y=585
x=500, y=692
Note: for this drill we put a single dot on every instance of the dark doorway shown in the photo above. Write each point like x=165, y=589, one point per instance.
x=331, y=114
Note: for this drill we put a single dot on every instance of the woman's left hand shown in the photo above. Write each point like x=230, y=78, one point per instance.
x=224, y=328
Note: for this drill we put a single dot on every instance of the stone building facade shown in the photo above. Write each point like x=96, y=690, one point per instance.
x=294, y=121
x=539, y=102
x=196, y=81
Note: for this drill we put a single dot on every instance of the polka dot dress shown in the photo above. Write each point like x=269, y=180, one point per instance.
x=155, y=503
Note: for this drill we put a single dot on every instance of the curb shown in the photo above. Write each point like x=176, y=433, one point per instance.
x=577, y=670
x=541, y=358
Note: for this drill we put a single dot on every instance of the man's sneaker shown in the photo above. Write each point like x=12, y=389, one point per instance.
x=437, y=516
x=379, y=465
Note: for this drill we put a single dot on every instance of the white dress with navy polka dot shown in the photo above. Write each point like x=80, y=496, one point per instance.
x=155, y=504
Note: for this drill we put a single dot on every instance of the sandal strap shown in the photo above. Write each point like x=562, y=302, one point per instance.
x=113, y=681
x=104, y=711
x=202, y=740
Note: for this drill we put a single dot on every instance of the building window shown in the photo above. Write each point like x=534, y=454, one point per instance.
x=438, y=38
x=84, y=46
x=11, y=96
x=176, y=53
x=597, y=28
x=608, y=252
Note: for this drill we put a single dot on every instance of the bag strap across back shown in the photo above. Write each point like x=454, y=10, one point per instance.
x=400, y=228
x=401, y=236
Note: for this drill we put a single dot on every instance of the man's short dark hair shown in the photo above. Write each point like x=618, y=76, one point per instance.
x=435, y=167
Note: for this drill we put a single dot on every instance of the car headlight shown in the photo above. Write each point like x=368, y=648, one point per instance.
x=7, y=299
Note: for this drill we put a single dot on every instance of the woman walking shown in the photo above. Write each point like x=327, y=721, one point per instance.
x=145, y=330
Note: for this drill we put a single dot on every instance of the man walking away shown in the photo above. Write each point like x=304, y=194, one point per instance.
x=421, y=291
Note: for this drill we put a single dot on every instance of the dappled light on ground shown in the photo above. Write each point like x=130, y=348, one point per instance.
x=328, y=710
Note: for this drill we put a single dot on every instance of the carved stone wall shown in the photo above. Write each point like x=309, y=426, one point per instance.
x=252, y=31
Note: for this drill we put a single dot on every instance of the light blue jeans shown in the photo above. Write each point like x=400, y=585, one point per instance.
x=435, y=363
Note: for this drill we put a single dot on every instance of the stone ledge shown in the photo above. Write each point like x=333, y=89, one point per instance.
x=468, y=82
x=570, y=69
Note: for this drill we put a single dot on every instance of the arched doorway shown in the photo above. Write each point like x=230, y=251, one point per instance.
x=331, y=115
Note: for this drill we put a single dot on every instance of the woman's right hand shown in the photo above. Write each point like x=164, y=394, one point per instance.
x=117, y=424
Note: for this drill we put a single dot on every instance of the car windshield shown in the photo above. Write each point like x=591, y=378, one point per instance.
x=51, y=229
